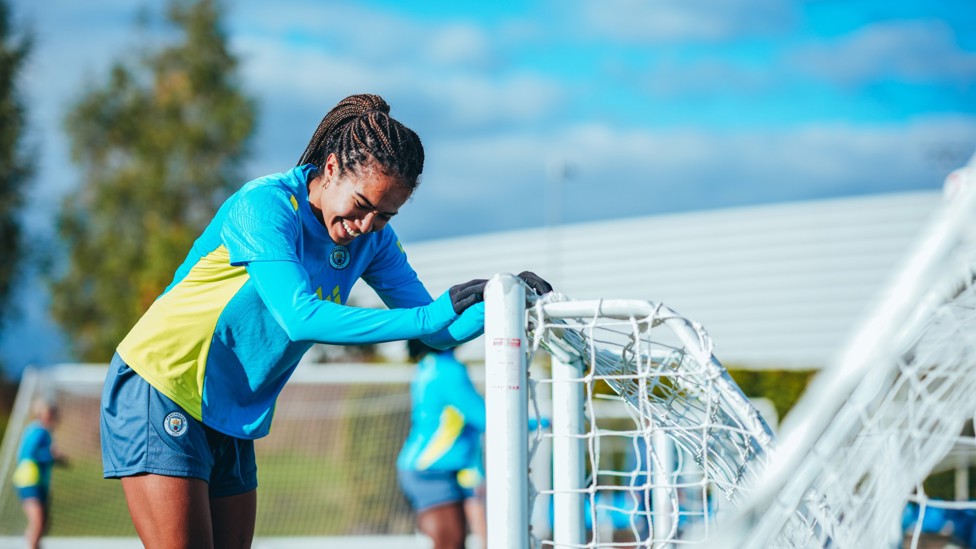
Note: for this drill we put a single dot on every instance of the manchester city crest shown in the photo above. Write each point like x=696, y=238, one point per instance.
x=175, y=424
x=339, y=258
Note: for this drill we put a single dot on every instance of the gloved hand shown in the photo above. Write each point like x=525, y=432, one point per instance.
x=534, y=281
x=467, y=294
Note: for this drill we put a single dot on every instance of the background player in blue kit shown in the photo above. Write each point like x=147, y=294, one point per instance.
x=195, y=380
x=36, y=457
x=440, y=466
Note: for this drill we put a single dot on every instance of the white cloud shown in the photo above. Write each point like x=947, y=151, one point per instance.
x=708, y=77
x=307, y=72
x=919, y=51
x=475, y=100
x=492, y=183
x=671, y=20
x=377, y=37
x=449, y=73
x=369, y=34
x=462, y=99
x=460, y=44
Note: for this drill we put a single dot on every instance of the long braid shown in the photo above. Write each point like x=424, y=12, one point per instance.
x=359, y=130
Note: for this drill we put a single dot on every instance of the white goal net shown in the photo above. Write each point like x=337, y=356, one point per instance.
x=862, y=459
x=879, y=452
x=637, y=436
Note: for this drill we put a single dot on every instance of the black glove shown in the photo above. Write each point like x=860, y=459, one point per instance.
x=467, y=294
x=534, y=281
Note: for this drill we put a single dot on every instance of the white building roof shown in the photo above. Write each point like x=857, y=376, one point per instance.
x=777, y=285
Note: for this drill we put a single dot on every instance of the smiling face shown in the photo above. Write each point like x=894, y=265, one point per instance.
x=355, y=203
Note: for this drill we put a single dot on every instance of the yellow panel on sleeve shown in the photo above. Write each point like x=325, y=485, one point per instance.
x=169, y=345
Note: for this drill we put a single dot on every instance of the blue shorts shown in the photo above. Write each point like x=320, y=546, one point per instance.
x=143, y=431
x=37, y=491
x=428, y=489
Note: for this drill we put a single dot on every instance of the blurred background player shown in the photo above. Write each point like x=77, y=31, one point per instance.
x=32, y=477
x=440, y=466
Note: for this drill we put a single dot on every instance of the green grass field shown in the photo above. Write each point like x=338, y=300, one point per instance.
x=297, y=496
x=326, y=476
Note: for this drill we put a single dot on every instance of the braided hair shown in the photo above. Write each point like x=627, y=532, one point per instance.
x=359, y=130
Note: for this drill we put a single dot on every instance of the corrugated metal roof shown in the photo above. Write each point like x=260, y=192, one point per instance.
x=775, y=285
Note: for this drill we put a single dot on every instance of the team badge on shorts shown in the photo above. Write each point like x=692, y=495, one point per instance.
x=175, y=424
x=339, y=258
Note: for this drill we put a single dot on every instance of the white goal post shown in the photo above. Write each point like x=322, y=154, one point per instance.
x=649, y=477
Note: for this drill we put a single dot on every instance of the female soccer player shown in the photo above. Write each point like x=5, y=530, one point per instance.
x=195, y=380
x=32, y=477
x=440, y=466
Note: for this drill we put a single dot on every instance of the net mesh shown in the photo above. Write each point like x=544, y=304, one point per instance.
x=878, y=452
x=666, y=429
x=901, y=423
x=326, y=469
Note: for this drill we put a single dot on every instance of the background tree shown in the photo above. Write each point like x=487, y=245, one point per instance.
x=159, y=146
x=15, y=166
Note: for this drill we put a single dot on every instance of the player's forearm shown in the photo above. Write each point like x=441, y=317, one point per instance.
x=304, y=317
x=468, y=326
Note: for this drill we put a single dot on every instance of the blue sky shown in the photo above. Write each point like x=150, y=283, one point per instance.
x=657, y=105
